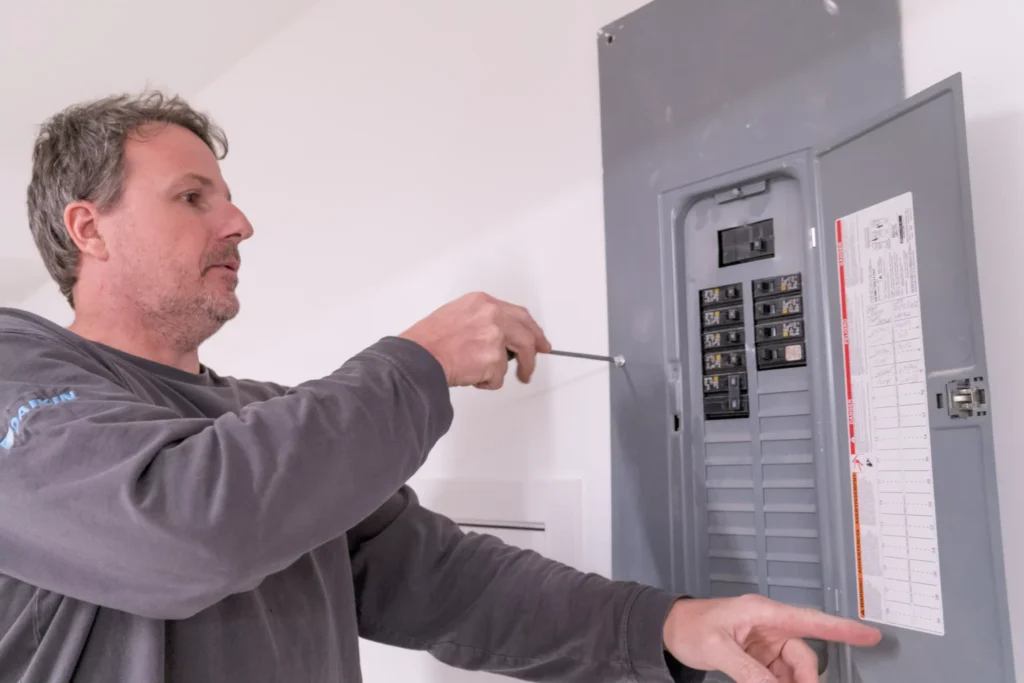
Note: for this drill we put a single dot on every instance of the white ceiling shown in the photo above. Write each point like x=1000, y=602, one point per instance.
x=56, y=52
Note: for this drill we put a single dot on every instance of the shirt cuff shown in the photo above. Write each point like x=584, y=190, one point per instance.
x=645, y=640
x=425, y=372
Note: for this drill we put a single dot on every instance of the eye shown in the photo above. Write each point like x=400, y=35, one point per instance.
x=191, y=197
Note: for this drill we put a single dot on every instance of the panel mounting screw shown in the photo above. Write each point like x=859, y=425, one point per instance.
x=831, y=7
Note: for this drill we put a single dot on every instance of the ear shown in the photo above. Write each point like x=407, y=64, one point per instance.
x=81, y=221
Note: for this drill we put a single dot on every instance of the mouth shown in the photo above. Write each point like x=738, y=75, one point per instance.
x=231, y=266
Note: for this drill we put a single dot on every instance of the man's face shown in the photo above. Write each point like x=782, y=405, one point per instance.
x=173, y=238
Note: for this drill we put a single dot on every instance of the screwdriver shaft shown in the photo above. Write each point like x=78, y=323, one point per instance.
x=586, y=356
x=617, y=361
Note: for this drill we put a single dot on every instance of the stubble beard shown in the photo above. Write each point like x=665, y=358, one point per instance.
x=188, y=321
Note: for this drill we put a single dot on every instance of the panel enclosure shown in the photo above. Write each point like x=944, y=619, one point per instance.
x=770, y=487
x=733, y=455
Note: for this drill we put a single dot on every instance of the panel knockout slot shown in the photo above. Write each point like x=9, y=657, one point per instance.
x=966, y=398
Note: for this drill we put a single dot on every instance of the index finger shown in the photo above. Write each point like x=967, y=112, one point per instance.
x=522, y=345
x=802, y=622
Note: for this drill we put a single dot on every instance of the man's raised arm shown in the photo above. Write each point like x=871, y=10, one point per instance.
x=115, y=501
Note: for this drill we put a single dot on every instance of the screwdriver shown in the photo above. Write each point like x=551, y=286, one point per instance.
x=617, y=361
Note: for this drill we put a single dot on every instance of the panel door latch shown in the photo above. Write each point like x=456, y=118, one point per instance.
x=966, y=398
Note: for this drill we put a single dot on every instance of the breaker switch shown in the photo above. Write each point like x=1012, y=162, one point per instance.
x=723, y=407
x=723, y=338
x=786, y=329
x=714, y=384
x=778, y=308
x=734, y=360
x=745, y=243
x=722, y=317
x=721, y=295
x=782, y=284
x=784, y=355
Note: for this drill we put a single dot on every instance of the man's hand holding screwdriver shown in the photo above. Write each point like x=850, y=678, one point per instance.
x=471, y=337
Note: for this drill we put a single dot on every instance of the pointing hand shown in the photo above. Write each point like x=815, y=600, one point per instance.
x=753, y=639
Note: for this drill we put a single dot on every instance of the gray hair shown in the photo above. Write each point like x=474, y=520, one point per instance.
x=79, y=156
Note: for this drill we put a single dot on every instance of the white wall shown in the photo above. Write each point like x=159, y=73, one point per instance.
x=20, y=270
x=84, y=57
x=386, y=172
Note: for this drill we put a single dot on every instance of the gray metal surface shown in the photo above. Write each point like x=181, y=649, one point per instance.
x=710, y=114
x=922, y=149
x=690, y=90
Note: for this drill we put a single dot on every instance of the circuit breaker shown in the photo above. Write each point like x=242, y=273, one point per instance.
x=825, y=438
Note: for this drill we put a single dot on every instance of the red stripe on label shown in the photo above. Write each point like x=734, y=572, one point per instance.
x=846, y=332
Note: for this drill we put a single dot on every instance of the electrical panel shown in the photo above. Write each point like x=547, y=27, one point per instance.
x=828, y=420
x=826, y=462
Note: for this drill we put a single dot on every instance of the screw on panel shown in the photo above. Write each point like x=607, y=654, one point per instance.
x=831, y=7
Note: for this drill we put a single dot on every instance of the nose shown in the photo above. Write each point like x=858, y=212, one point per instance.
x=237, y=225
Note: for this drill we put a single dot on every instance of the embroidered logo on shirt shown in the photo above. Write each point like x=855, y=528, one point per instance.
x=14, y=427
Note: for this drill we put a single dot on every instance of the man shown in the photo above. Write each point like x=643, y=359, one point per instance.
x=161, y=523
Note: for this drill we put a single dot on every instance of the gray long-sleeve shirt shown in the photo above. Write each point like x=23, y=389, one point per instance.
x=158, y=526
